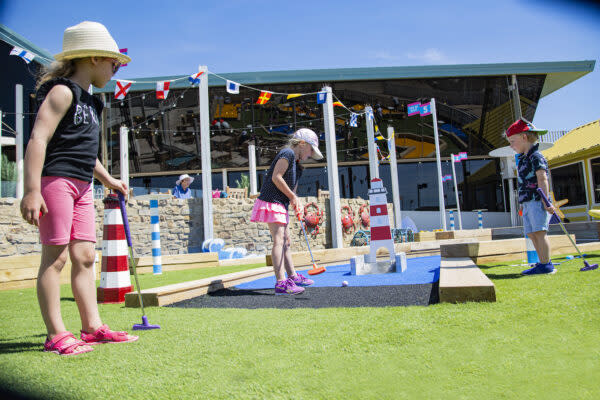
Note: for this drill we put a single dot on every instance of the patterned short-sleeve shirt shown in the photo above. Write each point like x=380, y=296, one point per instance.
x=528, y=165
x=268, y=191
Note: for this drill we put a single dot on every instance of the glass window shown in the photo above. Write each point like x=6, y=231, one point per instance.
x=595, y=163
x=568, y=183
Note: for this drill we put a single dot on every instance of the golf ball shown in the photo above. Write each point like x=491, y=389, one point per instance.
x=345, y=283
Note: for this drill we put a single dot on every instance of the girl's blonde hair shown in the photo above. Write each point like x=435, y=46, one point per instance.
x=58, y=69
x=293, y=142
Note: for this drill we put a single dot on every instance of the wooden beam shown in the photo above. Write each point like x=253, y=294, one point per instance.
x=461, y=281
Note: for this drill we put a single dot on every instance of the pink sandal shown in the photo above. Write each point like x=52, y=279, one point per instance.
x=105, y=335
x=61, y=345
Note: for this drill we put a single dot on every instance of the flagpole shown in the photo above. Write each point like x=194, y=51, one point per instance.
x=19, y=138
x=124, y=154
x=0, y=154
x=332, y=171
x=394, y=175
x=252, y=162
x=205, y=149
x=373, y=170
x=439, y=166
x=456, y=192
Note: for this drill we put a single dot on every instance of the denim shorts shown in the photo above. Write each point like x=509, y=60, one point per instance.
x=535, y=216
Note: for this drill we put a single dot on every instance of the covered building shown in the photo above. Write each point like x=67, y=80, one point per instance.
x=574, y=163
x=475, y=103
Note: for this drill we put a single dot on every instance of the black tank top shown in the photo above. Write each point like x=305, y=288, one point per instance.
x=73, y=149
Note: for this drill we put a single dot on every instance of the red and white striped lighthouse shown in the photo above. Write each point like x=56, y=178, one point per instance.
x=381, y=234
x=115, y=279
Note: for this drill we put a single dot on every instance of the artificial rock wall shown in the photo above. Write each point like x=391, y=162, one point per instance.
x=181, y=226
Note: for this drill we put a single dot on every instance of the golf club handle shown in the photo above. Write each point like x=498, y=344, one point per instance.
x=543, y=196
x=124, y=215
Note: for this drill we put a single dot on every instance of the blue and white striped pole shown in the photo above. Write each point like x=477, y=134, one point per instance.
x=480, y=219
x=156, y=255
x=451, y=220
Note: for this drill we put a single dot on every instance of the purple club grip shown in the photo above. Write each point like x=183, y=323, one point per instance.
x=124, y=215
x=543, y=196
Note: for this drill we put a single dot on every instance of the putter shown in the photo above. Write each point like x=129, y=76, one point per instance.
x=315, y=270
x=144, y=325
x=587, y=266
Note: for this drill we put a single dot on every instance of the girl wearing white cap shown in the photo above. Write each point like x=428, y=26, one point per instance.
x=60, y=163
x=271, y=206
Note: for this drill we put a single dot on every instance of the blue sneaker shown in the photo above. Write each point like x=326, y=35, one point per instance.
x=540, y=269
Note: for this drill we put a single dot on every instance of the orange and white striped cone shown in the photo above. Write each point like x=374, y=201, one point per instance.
x=115, y=279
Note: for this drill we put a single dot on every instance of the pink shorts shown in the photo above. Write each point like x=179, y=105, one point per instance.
x=71, y=213
x=269, y=213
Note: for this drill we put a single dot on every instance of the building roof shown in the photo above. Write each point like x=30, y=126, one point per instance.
x=558, y=74
x=41, y=56
x=583, y=141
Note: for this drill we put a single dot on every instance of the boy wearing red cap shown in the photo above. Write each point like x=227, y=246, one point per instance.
x=533, y=173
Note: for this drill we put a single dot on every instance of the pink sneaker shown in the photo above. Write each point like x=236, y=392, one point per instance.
x=287, y=287
x=301, y=280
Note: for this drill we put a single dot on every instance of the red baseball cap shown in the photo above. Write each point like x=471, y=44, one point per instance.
x=523, y=126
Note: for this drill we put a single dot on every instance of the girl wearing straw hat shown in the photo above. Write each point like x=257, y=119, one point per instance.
x=60, y=163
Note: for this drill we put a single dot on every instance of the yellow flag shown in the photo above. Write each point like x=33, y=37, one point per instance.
x=291, y=96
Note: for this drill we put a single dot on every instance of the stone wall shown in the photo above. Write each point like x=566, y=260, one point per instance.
x=181, y=226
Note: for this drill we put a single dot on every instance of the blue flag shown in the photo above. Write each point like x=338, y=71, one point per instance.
x=353, y=120
x=321, y=97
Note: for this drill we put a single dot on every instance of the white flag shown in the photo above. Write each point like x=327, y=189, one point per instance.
x=233, y=87
x=24, y=54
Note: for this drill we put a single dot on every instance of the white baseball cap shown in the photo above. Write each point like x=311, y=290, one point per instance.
x=311, y=138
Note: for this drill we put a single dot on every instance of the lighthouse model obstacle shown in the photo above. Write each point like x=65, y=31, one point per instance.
x=381, y=236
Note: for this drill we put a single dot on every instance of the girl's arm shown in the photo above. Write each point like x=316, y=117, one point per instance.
x=542, y=182
x=103, y=176
x=280, y=167
x=53, y=109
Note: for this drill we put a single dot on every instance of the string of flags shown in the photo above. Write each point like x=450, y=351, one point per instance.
x=459, y=157
x=27, y=56
x=417, y=108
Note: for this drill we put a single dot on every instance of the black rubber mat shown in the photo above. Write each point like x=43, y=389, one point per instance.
x=319, y=297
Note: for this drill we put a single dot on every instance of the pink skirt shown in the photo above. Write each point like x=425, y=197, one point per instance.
x=269, y=213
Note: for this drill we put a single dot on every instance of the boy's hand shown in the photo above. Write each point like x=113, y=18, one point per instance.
x=33, y=207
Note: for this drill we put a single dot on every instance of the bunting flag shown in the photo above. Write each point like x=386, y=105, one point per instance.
x=291, y=96
x=425, y=109
x=24, y=54
x=321, y=97
x=195, y=78
x=121, y=89
x=162, y=89
x=446, y=178
x=264, y=97
x=413, y=108
x=233, y=87
x=338, y=104
x=456, y=158
x=123, y=51
x=353, y=120
x=370, y=114
x=463, y=155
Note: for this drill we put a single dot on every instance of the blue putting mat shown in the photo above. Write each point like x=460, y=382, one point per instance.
x=420, y=270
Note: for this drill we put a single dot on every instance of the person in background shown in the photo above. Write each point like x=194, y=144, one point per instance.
x=182, y=187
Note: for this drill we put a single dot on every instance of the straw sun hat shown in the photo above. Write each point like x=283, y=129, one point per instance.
x=89, y=39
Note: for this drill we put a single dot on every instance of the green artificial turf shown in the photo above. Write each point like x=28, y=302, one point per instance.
x=538, y=341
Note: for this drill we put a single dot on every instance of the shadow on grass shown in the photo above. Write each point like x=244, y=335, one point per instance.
x=20, y=347
x=71, y=299
x=504, y=276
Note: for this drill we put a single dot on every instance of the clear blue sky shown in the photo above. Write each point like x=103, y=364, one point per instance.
x=169, y=38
